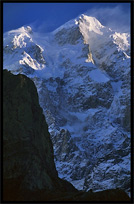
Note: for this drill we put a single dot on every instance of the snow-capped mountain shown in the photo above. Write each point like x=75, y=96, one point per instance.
x=82, y=74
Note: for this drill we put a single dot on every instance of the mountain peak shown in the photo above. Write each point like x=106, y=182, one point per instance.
x=90, y=23
x=22, y=29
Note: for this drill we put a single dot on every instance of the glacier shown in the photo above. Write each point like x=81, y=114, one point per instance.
x=82, y=74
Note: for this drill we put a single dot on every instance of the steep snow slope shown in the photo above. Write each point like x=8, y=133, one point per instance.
x=82, y=73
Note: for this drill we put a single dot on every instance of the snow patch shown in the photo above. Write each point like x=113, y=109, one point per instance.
x=27, y=60
x=98, y=76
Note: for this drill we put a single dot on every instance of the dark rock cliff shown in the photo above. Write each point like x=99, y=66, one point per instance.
x=28, y=159
x=29, y=172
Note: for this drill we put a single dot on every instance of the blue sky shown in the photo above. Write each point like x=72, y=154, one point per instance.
x=46, y=17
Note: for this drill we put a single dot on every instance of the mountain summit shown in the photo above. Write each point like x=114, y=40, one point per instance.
x=82, y=74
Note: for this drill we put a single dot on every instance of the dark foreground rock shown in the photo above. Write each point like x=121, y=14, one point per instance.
x=13, y=193
x=29, y=172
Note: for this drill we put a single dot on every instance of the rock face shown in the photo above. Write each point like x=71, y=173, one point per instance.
x=84, y=91
x=28, y=153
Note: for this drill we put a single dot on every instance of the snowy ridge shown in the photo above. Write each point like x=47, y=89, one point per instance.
x=82, y=74
x=122, y=40
x=24, y=51
x=67, y=25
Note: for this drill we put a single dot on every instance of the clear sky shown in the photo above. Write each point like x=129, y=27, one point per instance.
x=46, y=17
